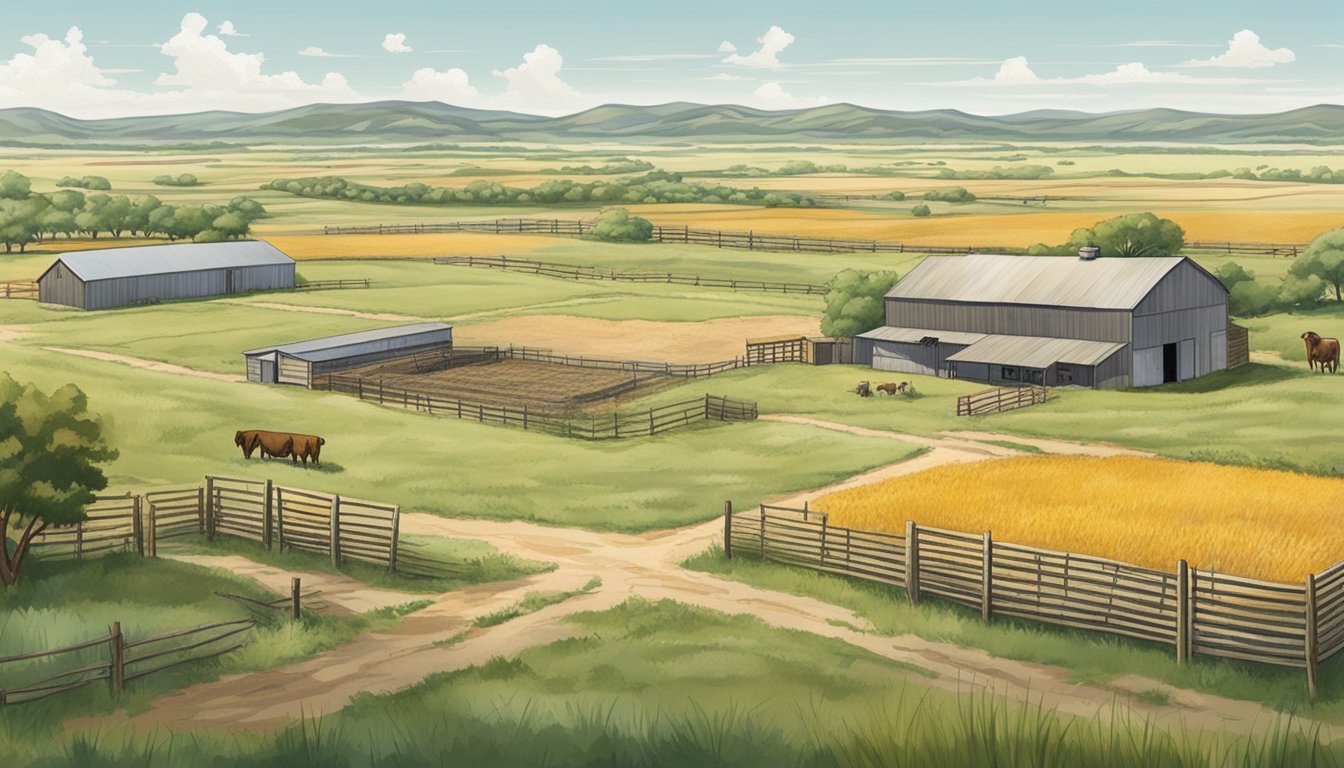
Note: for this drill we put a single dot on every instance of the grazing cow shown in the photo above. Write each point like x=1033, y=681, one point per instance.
x=1323, y=351
x=308, y=447
x=863, y=390
x=892, y=387
x=247, y=440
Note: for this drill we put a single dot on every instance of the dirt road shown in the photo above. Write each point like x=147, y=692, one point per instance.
x=647, y=565
x=148, y=365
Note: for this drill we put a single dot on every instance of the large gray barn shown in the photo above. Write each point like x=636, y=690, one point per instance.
x=1053, y=321
x=118, y=277
x=302, y=361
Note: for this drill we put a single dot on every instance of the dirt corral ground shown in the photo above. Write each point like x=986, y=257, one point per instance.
x=700, y=342
x=517, y=382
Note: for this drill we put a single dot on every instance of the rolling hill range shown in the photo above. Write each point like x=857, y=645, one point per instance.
x=432, y=122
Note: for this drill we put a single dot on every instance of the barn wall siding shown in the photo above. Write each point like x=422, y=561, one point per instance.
x=66, y=290
x=293, y=371
x=387, y=352
x=1184, y=287
x=124, y=291
x=1204, y=327
x=1011, y=320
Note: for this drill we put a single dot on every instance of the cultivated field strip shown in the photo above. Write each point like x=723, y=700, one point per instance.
x=570, y=272
x=1199, y=612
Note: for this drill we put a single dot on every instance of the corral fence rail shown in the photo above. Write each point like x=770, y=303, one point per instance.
x=115, y=659
x=1291, y=250
x=571, y=272
x=18, y=289
x=1198, y=612
x=605, y=426
x=1000, y=399
x=327, y=285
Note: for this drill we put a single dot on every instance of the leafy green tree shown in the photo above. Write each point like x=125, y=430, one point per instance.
x=231, y=225
x=20, y=221
x=50, y=452
x=854, y=303
x=616, y=225
x=921, y=210
x=247, y=207
x=895, y=195
x=953, y=195
x=1324, y=259
x=15, y=186
x=1131, y=235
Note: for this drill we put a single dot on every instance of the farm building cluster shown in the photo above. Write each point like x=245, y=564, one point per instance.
x=301, y=362
x=118, y=277
x=1050, y=321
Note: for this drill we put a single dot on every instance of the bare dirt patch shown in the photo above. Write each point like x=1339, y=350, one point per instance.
x=148, y=365
x=513, y=382
x=699, y=342
x=12, y=332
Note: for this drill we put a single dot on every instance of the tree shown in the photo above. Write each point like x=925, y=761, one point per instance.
x=616, y=225
x=15, y=186
x=21, y=221
x=854, y=303
x=1324, y=259
x=231, y=226
x=1131, y=235
x=50, y=452
x=920, y=210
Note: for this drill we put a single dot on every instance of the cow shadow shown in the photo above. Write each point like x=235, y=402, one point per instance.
x=325, y=468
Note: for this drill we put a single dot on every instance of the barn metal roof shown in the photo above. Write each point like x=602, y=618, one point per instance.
x=915, y=335
x=1054, y=281
x=1036, y=351
x=111, y=263
x=333, y=347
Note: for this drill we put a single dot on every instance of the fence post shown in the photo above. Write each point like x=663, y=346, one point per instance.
x=335, y=541
x=728, y=530
x=138, y=525
x=911, y=561
x=79, y=540
x=762, y=531
x=824, y=519
x=153, y=531
x=268, y=515
x=987, y=579
x=116, y=659
x=1310, y=650
x=1182, y=612
x=208, y=508
x=396, y=537
x=280, y=518
x=294, y=599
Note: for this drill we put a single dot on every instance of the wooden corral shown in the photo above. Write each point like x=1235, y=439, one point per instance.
x=1238, y=345
x=1197, y=612
x=1000, y=399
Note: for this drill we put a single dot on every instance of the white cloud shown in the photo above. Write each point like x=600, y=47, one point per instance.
x=773, y=96
x=536, y=86
x=318, y=53
x=1135, y=73
x=395, y=43
x=450, y=87
x=773, y=42
x=228, y=30
x=726, y=78
x=1245, y=51
x=727, y=47
x=1017, y=72
x=54, y=69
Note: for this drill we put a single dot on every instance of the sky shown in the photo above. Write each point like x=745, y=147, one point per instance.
x=96, y=60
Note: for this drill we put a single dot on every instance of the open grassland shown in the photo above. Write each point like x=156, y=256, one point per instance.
x=660, y=684
x=173, y=429
x=1145, y=511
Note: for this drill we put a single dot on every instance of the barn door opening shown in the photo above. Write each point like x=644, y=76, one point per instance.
x=228, y=281
x=1170, y=361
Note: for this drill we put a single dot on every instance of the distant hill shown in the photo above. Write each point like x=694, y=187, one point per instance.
x=432, y=122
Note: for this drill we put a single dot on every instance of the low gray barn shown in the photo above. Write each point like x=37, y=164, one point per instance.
x=302, y=361
x=1054, y=321
x=118, y=277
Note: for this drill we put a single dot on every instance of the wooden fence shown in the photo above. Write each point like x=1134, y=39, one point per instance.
x=570, y=272
x=782, y=349
x=1290, y=250
x=605, y=426
x=116, y=660
x=113, y=525
x=999, y=399
x=18, y=289
x=326, y=285
x=1198, y=612
x=1238, y=345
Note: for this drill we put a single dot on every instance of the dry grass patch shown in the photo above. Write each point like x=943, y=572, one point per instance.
x=306, y=247
x=1152, y=512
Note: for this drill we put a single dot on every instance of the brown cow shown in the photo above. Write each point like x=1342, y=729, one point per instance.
x=892, y=387
x=1323, y=351
x=308, y=446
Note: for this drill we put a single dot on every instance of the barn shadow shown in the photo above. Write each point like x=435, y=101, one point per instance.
x=1248, y=375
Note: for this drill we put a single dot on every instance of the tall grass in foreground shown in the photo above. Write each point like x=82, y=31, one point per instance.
x=983, y=730
x=1145, y=511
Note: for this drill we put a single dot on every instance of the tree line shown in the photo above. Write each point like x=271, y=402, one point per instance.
x=32, y=217
x=656, y=187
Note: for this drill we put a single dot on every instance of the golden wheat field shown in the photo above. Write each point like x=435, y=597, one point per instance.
x=1152, y=512
x=306, y=247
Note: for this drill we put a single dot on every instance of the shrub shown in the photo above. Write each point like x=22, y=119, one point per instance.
x=854, y=303
x=616, y=225
x=921, y=210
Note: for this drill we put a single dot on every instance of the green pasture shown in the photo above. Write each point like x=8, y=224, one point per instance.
x=174, y=429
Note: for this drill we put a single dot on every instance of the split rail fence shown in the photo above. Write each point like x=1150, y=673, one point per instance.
x=570, y=272
x=18, y=289
x=1198, y=612
x=1000, y=399
x=607, y=426
x=327, y=285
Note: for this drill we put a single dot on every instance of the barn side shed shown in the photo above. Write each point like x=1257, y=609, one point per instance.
x=119, y=277
x=301, y=362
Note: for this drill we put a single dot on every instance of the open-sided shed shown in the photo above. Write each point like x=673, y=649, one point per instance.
x=119, y=277
x=299, y=362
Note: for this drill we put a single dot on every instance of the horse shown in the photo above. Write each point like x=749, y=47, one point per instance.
x=892, y=388
x=1321, y=350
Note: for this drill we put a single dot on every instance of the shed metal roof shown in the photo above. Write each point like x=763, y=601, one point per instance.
x=333, y=347
x=1036, y=351
x=111, y=263
x=914, y=335
x=1057, y=281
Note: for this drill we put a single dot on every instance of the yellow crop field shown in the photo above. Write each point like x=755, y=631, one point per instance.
x=1017, y=230
x=1152, y=512
x=303, y=247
